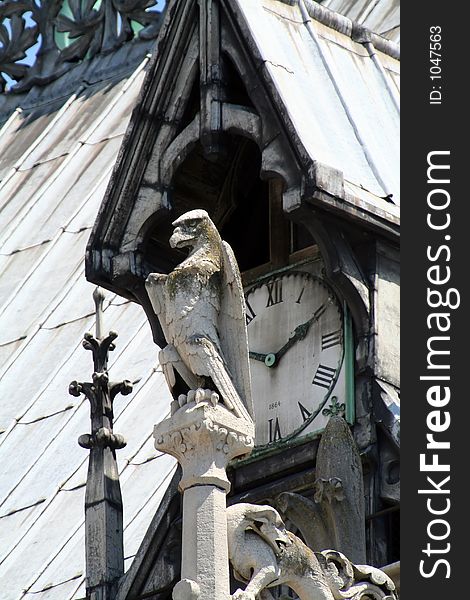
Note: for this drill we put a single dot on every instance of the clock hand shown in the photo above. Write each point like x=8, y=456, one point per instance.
x=300, y=333
x=258, y=356
x=268, y=359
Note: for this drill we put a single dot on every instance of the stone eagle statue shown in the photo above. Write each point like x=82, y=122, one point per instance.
x=201, y=309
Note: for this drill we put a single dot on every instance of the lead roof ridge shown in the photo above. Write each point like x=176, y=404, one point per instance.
x=353, y=29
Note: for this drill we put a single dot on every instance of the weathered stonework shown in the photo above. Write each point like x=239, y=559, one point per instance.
x=264, y=554
x=201, y=311
x=204, y=438
x=335, y=518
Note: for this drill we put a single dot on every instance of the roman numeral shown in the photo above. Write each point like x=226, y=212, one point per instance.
x=250, y=313
x=304, y=412
x=274, y=292
x=300, y=296
x=274, y=430
x=330, y=339
x=324, y=376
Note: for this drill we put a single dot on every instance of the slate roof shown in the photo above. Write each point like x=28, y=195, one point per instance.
x=56, y=158
x=341, y=96
x=57, y=149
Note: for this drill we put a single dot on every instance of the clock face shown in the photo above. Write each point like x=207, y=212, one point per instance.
x=296, y=341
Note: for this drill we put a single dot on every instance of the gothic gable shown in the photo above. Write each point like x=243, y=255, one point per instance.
x=239, y=93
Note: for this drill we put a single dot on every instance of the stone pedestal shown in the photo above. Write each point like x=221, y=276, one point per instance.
x=204, y=438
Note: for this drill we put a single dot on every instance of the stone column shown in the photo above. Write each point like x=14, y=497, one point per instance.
x=204, y=438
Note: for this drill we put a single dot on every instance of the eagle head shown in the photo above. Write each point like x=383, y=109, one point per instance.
x=190, y=228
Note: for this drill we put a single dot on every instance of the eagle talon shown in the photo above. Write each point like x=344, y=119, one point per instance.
x=213, y=398
x=200, y=396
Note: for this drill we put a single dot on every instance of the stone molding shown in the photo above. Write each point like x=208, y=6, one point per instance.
x=204, y=439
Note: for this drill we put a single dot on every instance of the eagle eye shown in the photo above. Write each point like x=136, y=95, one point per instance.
x=192, y=223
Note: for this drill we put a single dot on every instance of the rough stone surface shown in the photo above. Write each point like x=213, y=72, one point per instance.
x=201, y=310
x=264, y=554
x=387, y=308
x=204, y=438
x=336, y=517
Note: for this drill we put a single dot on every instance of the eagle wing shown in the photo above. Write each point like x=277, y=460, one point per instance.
x=155, y=286
x=232, y=327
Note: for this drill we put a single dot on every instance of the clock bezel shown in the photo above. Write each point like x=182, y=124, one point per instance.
x=346, y=362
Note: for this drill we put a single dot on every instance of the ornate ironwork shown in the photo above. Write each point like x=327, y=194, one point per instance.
x=335, y=408
x=88, y=27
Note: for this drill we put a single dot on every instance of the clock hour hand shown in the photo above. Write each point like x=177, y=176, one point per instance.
x=268, y=359
x=258, y=356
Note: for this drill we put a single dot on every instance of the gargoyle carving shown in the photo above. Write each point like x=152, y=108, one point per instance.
x=201, y=309
x=264, y=554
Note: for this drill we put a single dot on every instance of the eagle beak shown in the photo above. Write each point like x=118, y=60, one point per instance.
x=275, y=536
x=177, y=238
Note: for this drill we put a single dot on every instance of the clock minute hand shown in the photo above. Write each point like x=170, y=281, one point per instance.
x=299, y=334
x=271, y=359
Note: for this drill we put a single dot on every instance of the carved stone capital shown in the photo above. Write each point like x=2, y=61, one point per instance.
x=204, y=439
